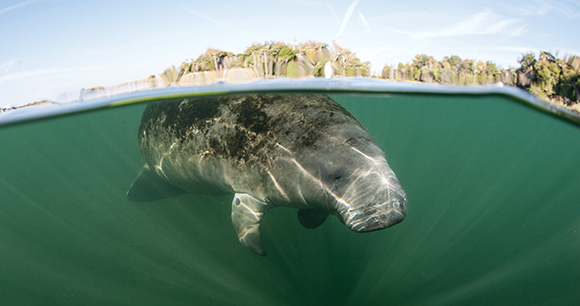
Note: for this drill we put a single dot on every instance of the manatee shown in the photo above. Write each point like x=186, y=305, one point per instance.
x=295, y=150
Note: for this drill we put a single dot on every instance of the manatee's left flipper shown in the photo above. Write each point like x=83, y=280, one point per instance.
x=247, y=212
x=312, y=217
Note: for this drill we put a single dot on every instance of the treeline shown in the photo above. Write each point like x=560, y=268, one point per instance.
x=546, y=76
x=271, y=60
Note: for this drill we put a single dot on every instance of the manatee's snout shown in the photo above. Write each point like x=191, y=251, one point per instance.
x=376, y=215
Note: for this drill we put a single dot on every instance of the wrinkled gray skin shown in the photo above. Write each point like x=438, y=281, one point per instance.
x=303, y=151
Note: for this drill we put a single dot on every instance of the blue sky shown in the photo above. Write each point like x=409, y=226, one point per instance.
x=50, y=47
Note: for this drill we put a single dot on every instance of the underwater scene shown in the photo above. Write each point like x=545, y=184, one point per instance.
x=492, y=186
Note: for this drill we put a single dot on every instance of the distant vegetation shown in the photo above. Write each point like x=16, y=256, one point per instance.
x=268, y=60
x=547, y=76
x=278, y=59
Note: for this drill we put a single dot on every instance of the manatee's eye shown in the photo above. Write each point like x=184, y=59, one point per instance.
x=334, y=170
x=337, y=174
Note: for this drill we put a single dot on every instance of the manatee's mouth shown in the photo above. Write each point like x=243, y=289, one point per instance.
x=373, y=220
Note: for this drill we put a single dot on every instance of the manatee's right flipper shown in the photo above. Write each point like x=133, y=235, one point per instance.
x=148, y=186
x=312, y=217
x=247, y=212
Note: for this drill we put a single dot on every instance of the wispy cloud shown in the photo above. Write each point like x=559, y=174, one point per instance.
x=217, y=22
x=519, y=31
x=46, y=71
x=347, y=16
x=364, y=22
x=570, y=9
x=333, y=13
x=516, y=32
x=486, y=22
x=18, y=5
x=518, y=49
x=304, y=2
x=4, y=67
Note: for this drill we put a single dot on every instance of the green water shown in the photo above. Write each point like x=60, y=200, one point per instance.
x=494, y=217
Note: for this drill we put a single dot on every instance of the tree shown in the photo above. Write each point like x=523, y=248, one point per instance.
x=548, y=76
x=347, y=64
x=492, y=71
x=572, y=75
x=527, y=60
x=386, y=73
x=455, y=62
x=446, y=76
x=170, y=76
